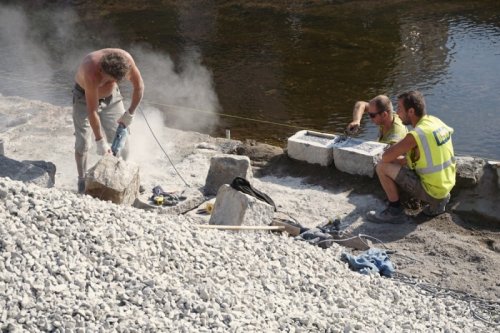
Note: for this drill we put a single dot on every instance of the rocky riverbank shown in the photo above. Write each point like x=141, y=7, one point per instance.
x=72, y=261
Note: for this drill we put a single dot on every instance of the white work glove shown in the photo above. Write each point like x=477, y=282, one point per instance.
x=126, y=118
x=102, y=147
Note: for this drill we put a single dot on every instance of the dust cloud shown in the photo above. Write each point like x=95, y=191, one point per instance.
x=41, y=50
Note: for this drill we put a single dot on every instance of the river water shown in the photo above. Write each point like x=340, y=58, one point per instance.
x=270, y=69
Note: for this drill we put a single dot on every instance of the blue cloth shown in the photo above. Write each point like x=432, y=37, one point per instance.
x=371, y=261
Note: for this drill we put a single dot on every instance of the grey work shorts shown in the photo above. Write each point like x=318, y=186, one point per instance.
x=410, y=182
x=110, y=110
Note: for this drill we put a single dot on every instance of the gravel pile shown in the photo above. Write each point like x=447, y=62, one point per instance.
x=70, y=263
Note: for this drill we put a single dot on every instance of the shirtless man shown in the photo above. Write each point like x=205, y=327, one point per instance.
x=97, y=102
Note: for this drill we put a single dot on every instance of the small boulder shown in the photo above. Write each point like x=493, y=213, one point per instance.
x=40, y=173
x=233, y=207
x=223, y=169
x=113, y=179
x=469, y=171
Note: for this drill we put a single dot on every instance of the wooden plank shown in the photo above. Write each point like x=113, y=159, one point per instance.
x=291, y=229
x=240, y=227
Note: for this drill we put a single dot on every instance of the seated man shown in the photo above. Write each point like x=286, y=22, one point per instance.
x=391, y=129
x=427, y=173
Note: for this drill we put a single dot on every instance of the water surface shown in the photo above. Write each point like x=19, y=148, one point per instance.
x=303, y=65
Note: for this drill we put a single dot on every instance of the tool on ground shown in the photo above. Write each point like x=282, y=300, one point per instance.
x=119, y=140
x=162, y=198
x=207, y=210
x=158, y=200
x=241, y=227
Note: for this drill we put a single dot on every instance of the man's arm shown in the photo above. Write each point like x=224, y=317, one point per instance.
x=402, y=147
x=138, y=84
x=357, y=113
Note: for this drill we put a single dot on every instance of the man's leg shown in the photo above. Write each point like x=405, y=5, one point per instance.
x=387, y=173
x=82, y=137
x=394, y=213
x=81, y=166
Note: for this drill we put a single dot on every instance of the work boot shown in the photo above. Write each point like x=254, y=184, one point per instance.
x=395, y=215
x=436, y=209
x=81, y=185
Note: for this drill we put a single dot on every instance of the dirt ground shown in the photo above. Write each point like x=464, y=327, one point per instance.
x=449, y=251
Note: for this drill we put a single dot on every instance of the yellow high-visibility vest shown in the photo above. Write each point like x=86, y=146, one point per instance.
x=436, y=163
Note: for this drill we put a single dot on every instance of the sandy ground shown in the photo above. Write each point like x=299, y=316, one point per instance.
x=446, y=251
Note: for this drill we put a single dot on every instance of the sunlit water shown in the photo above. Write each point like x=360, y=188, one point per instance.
x=303, y=66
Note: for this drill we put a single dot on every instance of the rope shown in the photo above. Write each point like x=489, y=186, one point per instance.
x=161, y=147
x=173, y=107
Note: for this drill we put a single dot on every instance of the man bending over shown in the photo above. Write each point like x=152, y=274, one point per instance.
x=97, y=102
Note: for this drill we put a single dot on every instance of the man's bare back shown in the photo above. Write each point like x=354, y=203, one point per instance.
x=90, y=74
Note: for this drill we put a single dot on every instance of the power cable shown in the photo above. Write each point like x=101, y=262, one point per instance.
x=161, y=147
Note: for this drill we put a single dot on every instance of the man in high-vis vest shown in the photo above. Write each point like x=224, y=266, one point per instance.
x=428, y=170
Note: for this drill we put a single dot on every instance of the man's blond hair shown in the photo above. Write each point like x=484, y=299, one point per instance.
x=382, y=103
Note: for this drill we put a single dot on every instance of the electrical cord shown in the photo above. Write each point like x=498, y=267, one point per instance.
x=161, y=147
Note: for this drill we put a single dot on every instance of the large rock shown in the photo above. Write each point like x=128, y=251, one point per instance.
x=40, y=173
x=114, y=180
x=469, y=171
x=233, y=207
x=223, y=169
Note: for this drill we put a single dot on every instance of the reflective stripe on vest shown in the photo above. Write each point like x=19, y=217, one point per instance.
x=428, y=156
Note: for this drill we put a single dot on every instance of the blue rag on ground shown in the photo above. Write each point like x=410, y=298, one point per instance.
x=371, y=261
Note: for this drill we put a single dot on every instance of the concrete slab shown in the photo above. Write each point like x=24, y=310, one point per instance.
x=356, y=156
x=312, y=147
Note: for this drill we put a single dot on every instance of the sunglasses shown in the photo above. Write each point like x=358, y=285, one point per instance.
x=374, y=114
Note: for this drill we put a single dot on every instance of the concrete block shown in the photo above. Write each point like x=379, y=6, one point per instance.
x=113, y=179
x=233, y=207
x=223, y=169
x=312, y=147
x=357, y=157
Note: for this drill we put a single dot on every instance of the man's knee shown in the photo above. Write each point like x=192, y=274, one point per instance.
x=82, y=147
x=390, y=170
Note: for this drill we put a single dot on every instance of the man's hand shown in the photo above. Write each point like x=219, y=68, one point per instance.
x=353, y=128
x=102, y=147
x=126, y=119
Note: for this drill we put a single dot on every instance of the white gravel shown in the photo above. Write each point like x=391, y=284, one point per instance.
x=71, y=263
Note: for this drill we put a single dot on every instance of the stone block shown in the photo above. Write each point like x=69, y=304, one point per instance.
x=469, y=171
x=312, y=147
x=357, y=157
x=223, y=169
x=28, y=171
x=233, y=207
x=113, y=179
